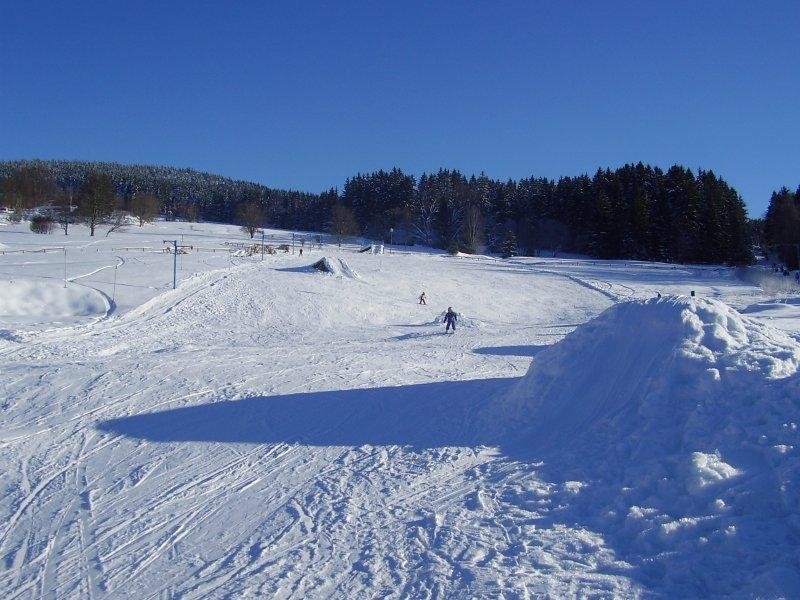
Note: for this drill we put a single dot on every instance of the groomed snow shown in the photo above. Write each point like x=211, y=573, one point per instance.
x=267, y=430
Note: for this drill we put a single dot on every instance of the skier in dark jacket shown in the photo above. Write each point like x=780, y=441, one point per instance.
x=450, y=319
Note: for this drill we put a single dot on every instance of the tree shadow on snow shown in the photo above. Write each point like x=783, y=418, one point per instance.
x=422, y=416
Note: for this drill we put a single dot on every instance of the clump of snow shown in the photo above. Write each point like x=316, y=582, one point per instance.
x=675, y=413
x=462, y=320
x=22, y=300
x=708, y=469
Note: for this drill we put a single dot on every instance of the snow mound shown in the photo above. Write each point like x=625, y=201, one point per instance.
x=680, y=416
x=463, y=321
x=335, y=266
x=26, y=300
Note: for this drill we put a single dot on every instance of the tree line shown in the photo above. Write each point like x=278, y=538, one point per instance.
x=93, y=202
x=634, y=212
x=781, y=227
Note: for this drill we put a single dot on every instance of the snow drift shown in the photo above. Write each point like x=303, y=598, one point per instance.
x=25, y=300
x=679, y=419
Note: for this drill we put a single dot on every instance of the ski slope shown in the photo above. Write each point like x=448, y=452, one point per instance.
x=267, y=430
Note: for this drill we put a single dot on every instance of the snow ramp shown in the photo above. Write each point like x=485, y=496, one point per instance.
x=347, y=270
x=675, y=422
x=335, y=266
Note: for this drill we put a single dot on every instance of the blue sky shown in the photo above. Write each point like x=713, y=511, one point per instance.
x=303, y=95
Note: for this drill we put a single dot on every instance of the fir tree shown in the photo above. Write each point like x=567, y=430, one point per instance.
x=510, y=245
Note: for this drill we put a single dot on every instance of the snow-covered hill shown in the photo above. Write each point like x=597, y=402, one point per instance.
x=266, y=429
x=677, y=419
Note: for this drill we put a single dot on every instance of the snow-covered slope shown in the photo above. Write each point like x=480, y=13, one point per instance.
x=678, y=418
x=268, y=430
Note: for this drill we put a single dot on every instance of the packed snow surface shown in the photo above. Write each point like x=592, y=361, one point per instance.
x=265, y=430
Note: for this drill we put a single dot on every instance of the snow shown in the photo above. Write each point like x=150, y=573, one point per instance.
x=337, y=267
x=23, y=300
x=267, y=430
x=681, y=402
x=709, y=469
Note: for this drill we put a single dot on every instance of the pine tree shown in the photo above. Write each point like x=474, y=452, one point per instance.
x=635, y=211
x=510, y=245
x=343, y=223
x=782, y=227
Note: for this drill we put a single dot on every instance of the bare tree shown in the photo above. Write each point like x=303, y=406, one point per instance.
x=251, y=217
x=343, y=222
x=27, y=187
x=12, y=198
x=117, y=221
x=451, y=220
x=96, y=200
x=473, y=228
x=145, y=208
x=425, y=207
x=192, y=213
x=63, y=210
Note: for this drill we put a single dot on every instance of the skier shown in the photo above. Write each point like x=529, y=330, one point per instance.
x=422, y=299
x=301, y=252
x=450, y=319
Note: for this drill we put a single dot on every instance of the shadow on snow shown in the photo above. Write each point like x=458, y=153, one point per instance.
x=422, y=416
x=510, y=350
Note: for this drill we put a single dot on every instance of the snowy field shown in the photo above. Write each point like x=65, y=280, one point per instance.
x=266, y=430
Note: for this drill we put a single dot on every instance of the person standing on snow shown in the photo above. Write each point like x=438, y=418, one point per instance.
x=422, y=299
x=450, y=319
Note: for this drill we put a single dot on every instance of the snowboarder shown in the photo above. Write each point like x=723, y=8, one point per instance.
x=422, y=299
x=450, y=319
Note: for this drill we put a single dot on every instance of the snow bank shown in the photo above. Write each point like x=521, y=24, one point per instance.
x=22, y=299
x=681, y=417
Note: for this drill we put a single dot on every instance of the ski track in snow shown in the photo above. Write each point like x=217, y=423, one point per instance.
x=262, y=431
